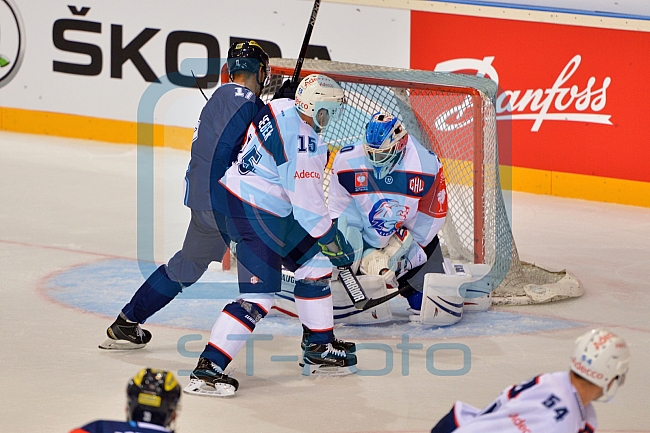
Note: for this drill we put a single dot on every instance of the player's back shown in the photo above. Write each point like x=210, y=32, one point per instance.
x=217, y=139
x=103, y=426
x=546, y=403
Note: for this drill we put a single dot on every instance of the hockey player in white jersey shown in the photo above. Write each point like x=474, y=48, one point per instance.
x=276, y=213
x=392, y=190
x=553, y=402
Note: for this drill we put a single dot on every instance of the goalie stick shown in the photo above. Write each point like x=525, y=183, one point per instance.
x=353, y=288
x=374, y=302
x=358, y=295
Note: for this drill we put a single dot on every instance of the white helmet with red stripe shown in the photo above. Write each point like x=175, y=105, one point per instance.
x=602, y=358
x=320, y=98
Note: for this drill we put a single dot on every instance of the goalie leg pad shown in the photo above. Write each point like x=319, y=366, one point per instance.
x=344, y=311
x=442, y=304
x=476, y=291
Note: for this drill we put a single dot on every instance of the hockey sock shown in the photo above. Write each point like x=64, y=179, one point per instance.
x=315, y=309
x=153, y=295
x=233, y=327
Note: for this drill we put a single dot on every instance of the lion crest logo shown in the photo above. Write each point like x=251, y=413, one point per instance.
x=387, y=216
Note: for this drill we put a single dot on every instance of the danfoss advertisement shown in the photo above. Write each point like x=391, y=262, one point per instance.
x=576, y=97
x=574, y=90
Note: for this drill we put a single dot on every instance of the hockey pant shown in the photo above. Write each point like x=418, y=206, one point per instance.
x=206, y=241
x=265, y=243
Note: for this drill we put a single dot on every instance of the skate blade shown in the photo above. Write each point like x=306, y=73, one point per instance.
x=329, y=371
x=110, y=344
x=200, y=388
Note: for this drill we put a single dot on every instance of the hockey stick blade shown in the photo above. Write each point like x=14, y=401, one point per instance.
x=353, y=287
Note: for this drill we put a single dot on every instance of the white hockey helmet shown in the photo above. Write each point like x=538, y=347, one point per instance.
x=601, y=357
x=384, y=143
x=320, y=98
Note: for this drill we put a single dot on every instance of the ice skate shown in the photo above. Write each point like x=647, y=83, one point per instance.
x=125, y=335
x=326, y=360
x=348, y=346
x=208, y=380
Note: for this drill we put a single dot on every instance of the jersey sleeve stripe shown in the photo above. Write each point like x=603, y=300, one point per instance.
x=270, y=138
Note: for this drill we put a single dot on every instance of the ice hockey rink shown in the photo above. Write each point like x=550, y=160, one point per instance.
x=69, y=250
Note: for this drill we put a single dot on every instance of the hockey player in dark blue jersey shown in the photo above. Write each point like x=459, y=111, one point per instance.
x=152, y=400
x=217, y=139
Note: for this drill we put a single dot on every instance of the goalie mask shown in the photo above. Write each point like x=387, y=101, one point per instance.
x=600, y=357
x=384, y=143
x=320, y=98
x=152, y=396
x=249, y=56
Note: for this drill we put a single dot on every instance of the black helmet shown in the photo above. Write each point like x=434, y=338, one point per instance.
x=248, y=56
x=152, y=396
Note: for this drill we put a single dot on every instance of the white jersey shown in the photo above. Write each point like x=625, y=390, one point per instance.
x=547, y=403
x=413, y=195
x=280, y=168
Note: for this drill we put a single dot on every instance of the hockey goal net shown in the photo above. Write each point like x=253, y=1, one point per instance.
x=454, y=116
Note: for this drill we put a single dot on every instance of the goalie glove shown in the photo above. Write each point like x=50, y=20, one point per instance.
x=287, y=90
x=375, y=262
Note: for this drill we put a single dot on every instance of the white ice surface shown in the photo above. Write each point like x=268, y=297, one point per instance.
x=69, y=207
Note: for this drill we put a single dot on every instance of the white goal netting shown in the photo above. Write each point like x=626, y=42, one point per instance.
x=453, y=115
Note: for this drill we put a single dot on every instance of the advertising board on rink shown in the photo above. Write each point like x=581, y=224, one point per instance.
x=573, y=92
x=574, y=95
x=97, y=58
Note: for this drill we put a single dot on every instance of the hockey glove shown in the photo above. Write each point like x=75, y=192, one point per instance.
x=339, y=251
x=287, y=90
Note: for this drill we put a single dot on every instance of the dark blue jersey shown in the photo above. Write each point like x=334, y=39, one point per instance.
x=120, y=427
x=218, y=137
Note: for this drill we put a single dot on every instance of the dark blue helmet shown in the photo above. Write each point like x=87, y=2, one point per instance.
x=249, y=56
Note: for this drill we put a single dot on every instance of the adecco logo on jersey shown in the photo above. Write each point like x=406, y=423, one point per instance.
x=306, y=175
x=12, y=41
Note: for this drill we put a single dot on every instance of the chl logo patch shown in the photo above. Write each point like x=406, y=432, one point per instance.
x=416, y=185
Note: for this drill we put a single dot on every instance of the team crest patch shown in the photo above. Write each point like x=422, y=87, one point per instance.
x=387, y=216
x=361, y=182
x=254, y=280
x=416, y=185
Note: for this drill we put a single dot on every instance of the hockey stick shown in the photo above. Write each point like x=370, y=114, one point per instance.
x=305, y=42
x=353, y=287
x=356, y=293
x=374, y=302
